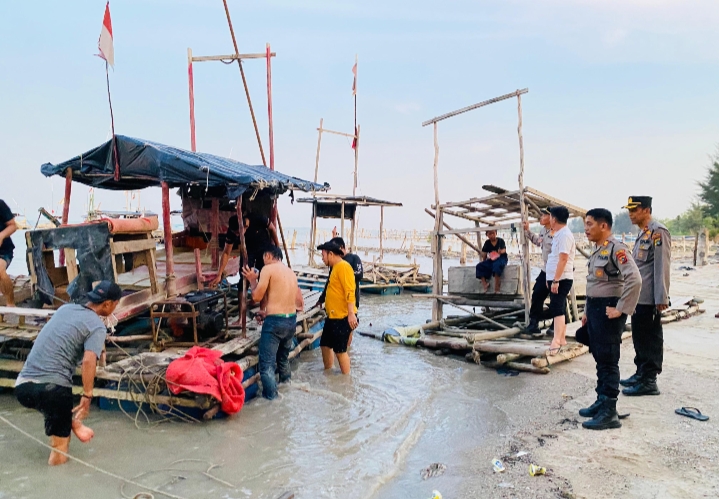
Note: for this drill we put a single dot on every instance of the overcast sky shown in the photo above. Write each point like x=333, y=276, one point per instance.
x=623, y=94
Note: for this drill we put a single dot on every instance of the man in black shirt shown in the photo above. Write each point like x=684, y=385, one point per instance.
x=260, y=234
x=494, y=259
x=356, y=264
x=7, y=228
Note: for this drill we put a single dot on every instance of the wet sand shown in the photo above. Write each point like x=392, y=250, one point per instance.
x=370, y=435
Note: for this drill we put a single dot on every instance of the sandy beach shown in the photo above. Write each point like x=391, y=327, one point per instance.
x=656, y=453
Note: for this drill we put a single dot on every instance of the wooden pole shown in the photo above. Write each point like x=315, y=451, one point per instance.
x=191, y=83
x=342, y=222
x=317, y=158
x=357, y=144
x=243, y=261
x=284, y=242
x=381, y=232
x=273, y=214
x=215, y=229
x=244, y=83
x=459, y=236
x=313, y=235
x=198, y=269
x=525, y=216
x=438, y=276
x=167, y=229
x=66, y=206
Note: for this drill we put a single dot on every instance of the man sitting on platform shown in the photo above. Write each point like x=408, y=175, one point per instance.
x=494, y=259
x=75, y=333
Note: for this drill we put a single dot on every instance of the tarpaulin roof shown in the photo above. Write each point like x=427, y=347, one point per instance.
x=145, y=164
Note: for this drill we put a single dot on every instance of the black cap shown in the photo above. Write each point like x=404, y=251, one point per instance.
x=638, y=202
x=104, y=291
x=331, y=247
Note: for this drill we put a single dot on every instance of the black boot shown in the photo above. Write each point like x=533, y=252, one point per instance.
x=645, y=386
x=607, y=416
x=631, y=380
x=592, y=410
x=533, y=327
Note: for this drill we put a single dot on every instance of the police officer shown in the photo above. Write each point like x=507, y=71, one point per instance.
x=613, y=287
x=540, y=292
x=653, y=253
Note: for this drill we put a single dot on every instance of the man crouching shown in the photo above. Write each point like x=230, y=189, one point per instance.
x=74, y=333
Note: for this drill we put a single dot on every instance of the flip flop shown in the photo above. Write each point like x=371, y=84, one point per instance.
x=553, y=351
x=692, y=412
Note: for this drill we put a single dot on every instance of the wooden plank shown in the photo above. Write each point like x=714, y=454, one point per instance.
x=239, y=345
x=121, y=247
x=71, y=264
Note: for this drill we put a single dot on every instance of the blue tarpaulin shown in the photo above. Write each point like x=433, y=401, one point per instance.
x=146, y=164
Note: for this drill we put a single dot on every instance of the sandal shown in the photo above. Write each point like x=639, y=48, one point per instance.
x=692, y=412
x=553, y=351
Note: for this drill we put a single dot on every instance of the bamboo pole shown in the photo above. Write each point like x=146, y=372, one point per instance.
x=459, y=236
x=198, y=270
x=381, y=232
x=438, y=275
x=313, y=235
x=525, y=218
x=244, y=83
x=66, y=206
x=282, y=236
x=317, y=157
x=191, y=85
x=356, y=171
x=342, y=221
x=243, y=261
x=215, y=228
x=484, y=317
x=167, y=229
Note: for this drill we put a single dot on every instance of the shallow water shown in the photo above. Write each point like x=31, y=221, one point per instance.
x=363, y=436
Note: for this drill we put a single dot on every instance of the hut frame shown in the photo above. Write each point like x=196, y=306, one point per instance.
x=502, y=209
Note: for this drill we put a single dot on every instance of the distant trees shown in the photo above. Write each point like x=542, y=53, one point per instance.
x=709, y=189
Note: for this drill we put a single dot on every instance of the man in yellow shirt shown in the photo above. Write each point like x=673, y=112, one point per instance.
x=340, y=306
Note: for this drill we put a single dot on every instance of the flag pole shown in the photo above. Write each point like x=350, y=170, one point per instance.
x=112, y=124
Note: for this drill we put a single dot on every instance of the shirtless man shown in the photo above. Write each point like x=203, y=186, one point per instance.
x=280, y=299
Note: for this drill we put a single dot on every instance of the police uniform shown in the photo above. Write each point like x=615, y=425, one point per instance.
x=652, y=253
x=613, y=280
x=540, y=292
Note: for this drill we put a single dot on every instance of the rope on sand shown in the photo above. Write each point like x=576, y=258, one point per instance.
x=142, y=495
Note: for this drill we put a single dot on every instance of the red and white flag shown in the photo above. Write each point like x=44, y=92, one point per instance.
x=354, y=82
x=104, y=44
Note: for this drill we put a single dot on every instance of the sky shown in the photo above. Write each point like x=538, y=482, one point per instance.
x=622, y=100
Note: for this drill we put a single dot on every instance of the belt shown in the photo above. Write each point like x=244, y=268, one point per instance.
x=282, y=316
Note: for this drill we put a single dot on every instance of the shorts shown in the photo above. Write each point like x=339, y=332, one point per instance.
x=7, y=257
x=53, y=401
x=558, y=301
x=336, y=334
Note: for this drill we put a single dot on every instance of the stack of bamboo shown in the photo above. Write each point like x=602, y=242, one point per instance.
x=395, y=273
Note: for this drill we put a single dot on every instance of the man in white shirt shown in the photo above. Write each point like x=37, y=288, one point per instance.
x=560, y=274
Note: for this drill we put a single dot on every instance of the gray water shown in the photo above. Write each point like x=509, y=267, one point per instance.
x=367, y=435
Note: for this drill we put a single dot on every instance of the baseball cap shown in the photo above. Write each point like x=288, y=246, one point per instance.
x=104, y=291
x=331, y=247
x=637, y=202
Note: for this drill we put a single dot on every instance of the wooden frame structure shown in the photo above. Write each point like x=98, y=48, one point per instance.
x=502, y=210
x=345, y=208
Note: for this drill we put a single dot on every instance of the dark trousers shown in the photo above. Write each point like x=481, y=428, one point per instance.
x=605, y=338
x=648, y=338
x=275, y=348
x=540, y=292
x=488, y=268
